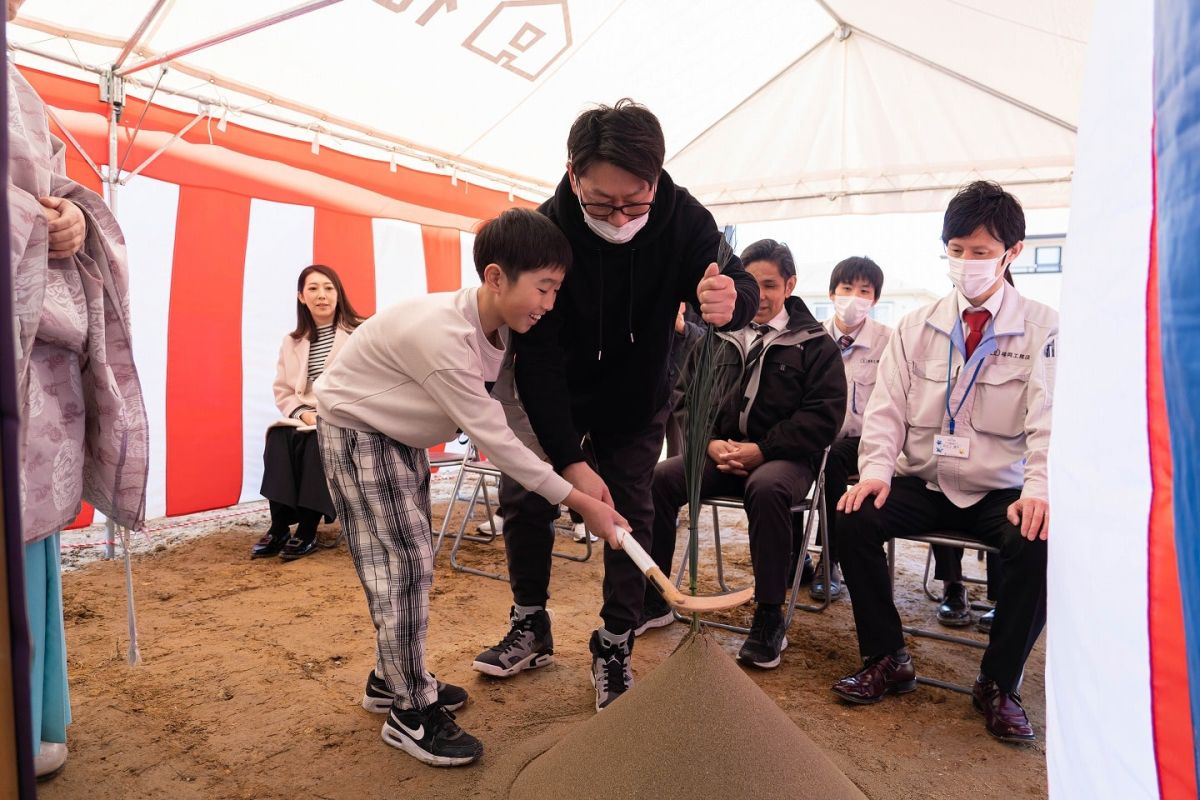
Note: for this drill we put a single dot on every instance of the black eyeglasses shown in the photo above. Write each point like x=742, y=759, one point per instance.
x=604, y=210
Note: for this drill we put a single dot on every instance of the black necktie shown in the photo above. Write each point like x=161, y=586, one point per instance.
x=845, y=341
x=753, y=355
x=756, y=347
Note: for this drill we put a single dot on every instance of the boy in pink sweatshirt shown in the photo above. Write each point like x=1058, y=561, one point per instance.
x=408, y=379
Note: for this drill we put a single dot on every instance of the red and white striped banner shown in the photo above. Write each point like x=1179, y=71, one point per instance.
x=217, y=234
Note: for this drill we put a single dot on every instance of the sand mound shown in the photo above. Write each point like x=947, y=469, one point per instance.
x=696, y=727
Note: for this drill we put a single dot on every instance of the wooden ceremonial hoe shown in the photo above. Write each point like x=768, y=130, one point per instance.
x=674, y=597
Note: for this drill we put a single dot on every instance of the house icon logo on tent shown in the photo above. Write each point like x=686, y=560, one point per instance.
x=523, y=36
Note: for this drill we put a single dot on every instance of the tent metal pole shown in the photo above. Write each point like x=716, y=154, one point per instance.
x=251, y=27
x=138, y=128
x=138, y=34
x=838, y=195
x=75, y=142
x=832, y=14
x=347, y=130
x=112, y=91
x=112, y=178
x=178, y=135
x=974, y=84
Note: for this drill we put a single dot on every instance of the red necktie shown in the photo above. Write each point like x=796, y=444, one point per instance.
x=976, y=322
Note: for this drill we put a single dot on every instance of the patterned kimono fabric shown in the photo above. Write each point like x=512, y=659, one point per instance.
x=83, y=423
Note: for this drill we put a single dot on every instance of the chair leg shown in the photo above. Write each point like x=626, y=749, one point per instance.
x=816, y=512
x=928, y=570
x=925, y=633
x=437, y=545
x=587, y=549
x=454, y=562
x=462, y=534
x=716, y=519
x=472, y=504
x=684, y=563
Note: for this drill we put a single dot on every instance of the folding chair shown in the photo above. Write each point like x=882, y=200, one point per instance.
x=813, y=509
x=447, y=460
x=937, y=598
x=949, y=539
x=472, y=464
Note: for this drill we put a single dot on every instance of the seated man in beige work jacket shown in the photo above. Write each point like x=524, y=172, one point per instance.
x=955, y=439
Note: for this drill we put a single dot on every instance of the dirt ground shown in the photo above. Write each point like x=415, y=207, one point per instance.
x=252, y=676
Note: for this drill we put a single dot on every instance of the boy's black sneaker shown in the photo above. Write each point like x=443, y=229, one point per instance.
x=612, y=671
x=766, y=640
x=431, y=735
x=656, y=613
x=527, y=645
x=378, y=698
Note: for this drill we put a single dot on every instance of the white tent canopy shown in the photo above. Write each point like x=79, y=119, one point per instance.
x=771, y=109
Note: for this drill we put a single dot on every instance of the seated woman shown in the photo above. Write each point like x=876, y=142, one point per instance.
x=293, y=478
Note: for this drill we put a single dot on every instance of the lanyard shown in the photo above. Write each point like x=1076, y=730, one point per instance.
x=950, y=386
x=853, y=387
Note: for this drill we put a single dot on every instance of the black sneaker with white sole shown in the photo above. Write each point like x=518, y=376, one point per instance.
x=612, y=670
x=527, y=645
x=766, y=641
x=431, y=735
x=378, y=698
x=656, y=613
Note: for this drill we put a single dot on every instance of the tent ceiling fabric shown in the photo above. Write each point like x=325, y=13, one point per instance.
x=770, y=109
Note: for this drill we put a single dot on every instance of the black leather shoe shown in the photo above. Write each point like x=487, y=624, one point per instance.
x=298, y=547
x=954, y=611
x=817, y=590
x=270, y=544
x=984, y=623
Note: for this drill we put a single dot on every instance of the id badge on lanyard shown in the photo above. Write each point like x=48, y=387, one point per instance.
x=952, y=446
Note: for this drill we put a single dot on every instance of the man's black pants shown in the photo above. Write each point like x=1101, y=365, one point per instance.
x=626, y=463
x=912, y=508
x=839, y=466
x=768, y=494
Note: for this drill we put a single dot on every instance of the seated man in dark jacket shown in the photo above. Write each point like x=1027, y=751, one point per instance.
x=783, y=403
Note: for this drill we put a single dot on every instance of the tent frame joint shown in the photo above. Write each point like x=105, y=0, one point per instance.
x=112, y=91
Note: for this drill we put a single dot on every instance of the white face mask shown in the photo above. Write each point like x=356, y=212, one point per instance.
x=613, y=233
x=851, y=310
x=973, y=277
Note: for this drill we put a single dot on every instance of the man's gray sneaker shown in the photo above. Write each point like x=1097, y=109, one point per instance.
x=430, y=735
x=527, y=645
x=378, y=698
x=612, y=671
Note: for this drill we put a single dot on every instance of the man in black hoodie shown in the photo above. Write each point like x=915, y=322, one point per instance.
x=781, y=400
x=597, y=366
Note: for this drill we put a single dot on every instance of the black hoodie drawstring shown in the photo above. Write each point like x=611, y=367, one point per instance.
x=600, y=316
x=628, y=311
x=629, y=314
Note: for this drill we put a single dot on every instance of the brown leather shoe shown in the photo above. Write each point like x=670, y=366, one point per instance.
x=1002, y=711
x=881, y=676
